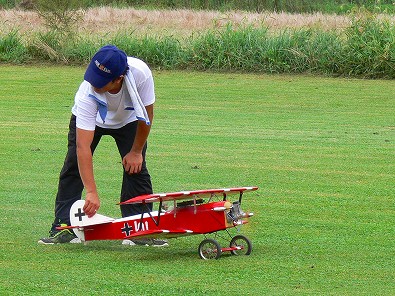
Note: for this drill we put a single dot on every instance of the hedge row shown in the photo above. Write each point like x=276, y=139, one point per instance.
x=366, y=49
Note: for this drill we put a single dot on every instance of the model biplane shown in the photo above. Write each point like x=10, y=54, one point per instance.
x=179, y=214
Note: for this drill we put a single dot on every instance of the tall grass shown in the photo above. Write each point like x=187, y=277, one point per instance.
x=12, y=49
x=256, y=50
x=370, y=48
x=365, y=49
x=161, y=52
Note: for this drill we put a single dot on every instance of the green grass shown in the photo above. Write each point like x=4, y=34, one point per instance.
x=320, y=149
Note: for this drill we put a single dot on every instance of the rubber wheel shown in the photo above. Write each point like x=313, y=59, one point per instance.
x=243, y=242
x=209, y=249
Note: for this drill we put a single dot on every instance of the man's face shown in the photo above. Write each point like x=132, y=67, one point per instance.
x=113, y=86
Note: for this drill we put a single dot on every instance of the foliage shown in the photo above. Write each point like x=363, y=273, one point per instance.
x=59, y=16
x=370, y=47
x=161, y=52
x=228, y=49
x=12, y=49
x=366, y=49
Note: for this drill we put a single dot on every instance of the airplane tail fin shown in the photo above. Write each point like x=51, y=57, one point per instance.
x=79, y=220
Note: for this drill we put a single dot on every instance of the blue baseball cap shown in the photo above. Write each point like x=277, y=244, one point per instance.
x=107, y=64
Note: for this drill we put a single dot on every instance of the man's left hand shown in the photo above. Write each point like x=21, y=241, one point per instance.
x=132, y=162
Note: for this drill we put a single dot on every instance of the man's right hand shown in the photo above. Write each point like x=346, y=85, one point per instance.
x=92, y=204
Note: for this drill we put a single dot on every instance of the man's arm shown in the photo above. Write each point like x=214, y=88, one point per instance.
x=85, y=166
x=132, y=161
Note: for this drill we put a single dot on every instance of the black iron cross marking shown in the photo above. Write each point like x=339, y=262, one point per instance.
x=80, y=214
x=127, y=229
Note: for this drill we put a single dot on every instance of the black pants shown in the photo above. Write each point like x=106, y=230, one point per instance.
x=70, y=184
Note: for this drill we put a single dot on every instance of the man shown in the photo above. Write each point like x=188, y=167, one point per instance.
x=116, y=98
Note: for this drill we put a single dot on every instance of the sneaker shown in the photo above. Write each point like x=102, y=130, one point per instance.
x=159, y=243
x=60, y=237
x=145, y=242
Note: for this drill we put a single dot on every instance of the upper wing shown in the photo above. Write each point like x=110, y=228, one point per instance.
x=156, y=197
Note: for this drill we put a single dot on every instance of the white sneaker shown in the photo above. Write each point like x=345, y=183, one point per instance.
x=128, y=242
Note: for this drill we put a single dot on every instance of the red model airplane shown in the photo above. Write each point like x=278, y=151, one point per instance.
x=200, y=212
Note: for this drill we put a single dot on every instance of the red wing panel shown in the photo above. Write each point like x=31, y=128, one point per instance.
x=149, y=198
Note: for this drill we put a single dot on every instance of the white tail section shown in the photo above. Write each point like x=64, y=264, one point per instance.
x=78, y=218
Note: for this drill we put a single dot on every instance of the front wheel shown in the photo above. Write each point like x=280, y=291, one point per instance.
x=209, y=249
x=243, y=245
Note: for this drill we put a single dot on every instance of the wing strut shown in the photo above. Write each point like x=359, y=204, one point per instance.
x=148, y=211
x=240, y=197
x=194, y=204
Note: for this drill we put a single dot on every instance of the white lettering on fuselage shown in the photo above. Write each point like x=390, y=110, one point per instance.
x=144, y=226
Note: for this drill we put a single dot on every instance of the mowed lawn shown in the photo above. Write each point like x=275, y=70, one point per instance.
x=322, y=151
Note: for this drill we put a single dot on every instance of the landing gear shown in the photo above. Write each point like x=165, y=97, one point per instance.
x=210, y=248
x=240, y=245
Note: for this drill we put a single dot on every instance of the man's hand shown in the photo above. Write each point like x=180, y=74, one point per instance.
x=132, y=162
x=92, y=204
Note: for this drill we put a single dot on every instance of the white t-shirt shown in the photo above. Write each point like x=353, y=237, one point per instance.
x=86, y=109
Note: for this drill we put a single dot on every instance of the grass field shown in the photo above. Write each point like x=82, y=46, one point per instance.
x=320, y=149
